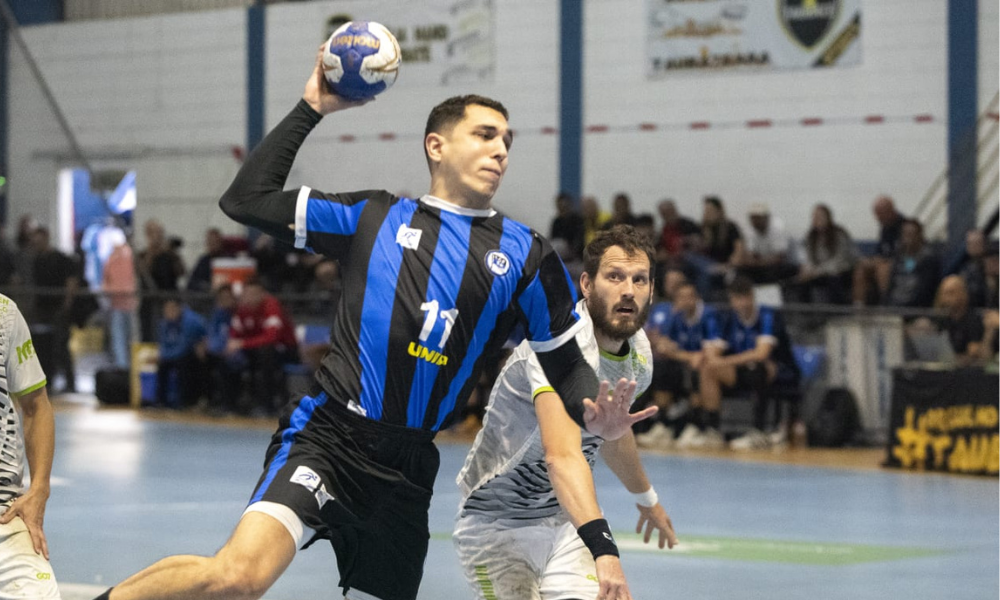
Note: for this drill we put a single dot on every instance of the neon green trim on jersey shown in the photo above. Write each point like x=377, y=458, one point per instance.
x=483, y=579
x=615, y=357
x=542, y=390
x=30, y=389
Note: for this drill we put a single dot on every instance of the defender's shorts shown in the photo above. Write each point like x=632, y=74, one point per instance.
x=363, y=485
x=546, y=560
x=23, y=574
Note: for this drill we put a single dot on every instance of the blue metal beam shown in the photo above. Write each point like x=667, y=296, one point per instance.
x=570, y=96
x=963, y=48
x=256, y=29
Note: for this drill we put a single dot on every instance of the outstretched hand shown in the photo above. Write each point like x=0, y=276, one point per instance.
x=655, y=518
x=609, y=416
x=319, y=95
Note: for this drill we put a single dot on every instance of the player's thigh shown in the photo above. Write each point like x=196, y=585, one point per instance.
x=724, y=374
x=23, y=573
x=262, y=543
x=502, y=563
x=570, y=573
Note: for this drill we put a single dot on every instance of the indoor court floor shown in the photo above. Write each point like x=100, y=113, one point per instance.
x=130, y=488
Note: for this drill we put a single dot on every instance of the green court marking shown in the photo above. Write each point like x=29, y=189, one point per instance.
x=776, y=551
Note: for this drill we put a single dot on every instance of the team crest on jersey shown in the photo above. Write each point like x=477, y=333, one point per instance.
x=408, y=238
x=497, y=262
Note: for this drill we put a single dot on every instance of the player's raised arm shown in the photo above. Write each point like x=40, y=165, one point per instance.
x=257, y=197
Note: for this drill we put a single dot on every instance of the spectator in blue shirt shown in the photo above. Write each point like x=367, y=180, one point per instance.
x=215, y=355
x=182, y=351
x=659, y=317
x=678, y=355
x=754, y=352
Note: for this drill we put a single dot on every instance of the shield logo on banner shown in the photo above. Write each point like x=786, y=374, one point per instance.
x=808, y=21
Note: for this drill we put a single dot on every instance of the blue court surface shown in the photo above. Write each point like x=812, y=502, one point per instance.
x=130, y=489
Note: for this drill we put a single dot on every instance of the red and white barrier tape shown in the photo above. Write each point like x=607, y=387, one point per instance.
x=598, y=128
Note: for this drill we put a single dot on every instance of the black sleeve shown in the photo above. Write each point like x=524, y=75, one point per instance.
x=256, y=197
x=571, y=377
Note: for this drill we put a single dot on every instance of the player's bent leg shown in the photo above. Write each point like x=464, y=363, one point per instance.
x=570, y=573
x=257, y=553
x=502, y=563
x=23, y=573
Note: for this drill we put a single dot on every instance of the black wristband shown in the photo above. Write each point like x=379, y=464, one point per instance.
x=596, y=535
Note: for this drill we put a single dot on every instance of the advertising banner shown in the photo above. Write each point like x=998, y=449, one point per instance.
x=750, y=35
x=945, y=420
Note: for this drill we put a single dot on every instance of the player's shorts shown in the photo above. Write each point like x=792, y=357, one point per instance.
x=675, y=377
x=545, y=560
x=23, y=574
x=365, y=486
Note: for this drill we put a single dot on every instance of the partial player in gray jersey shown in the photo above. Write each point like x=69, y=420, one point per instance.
x=529, y=525
x=28, y=437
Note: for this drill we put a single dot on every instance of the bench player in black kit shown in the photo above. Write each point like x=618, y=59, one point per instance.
x=436, y=285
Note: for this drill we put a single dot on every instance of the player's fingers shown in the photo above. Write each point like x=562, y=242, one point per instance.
x=13, y=510
x=589, y=410
x=639, y=525
x=643, y=414
x=602, y=390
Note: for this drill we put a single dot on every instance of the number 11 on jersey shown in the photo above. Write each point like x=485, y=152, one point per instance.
x=430, y=319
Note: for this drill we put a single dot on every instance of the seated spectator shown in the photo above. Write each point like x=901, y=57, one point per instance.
x=645, y=224
x=568, y=225
x=972, y=268
x=593, y=217
x=219, y=322
x=677, y=235
x=871, y=275
x=915, y=271
x=991, y=265
x=754, y=352
x=677, y=357
x=768, y=254
x=179, y=373
x=964, y=327
x=324, y=292
x=830, y=256
x=621, y=213
x=721, y=243
x=200, y=279
x=261, y=341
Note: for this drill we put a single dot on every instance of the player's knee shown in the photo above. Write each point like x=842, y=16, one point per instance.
x=236, y=580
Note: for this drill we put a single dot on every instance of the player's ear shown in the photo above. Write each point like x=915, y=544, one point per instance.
x=585, y=285
x=433, y=144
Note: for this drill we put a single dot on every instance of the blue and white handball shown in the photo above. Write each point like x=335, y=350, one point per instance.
x=361, y=59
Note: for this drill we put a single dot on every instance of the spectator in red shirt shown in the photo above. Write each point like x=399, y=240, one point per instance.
x=261, y=342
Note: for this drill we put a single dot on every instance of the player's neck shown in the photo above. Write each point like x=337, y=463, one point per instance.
x=464, y=200
x=609, y=344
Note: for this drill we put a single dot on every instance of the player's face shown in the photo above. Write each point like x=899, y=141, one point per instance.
x=618, y=297
x=474, y=154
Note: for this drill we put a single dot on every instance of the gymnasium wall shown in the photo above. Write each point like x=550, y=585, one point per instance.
x=166, y=95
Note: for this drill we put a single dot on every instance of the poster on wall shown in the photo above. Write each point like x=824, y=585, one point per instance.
x=699, y=36
x=448, y=41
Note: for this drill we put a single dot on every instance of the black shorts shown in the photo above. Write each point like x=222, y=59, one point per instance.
x=365, y=486
x=675, y=377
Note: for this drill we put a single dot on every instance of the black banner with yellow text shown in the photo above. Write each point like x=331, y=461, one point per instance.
x=945, y=421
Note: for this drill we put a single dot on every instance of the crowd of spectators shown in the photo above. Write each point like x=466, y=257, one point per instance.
x=211, y=335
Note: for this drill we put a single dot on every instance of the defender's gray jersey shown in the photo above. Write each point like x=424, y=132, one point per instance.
x=505, y=476
x=20, y=373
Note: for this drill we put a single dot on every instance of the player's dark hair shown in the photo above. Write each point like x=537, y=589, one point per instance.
x=451, y=111
x=740, y=286
x=625, y=237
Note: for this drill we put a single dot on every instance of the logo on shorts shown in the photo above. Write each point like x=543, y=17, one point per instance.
x=323, y=496
x=306, y=477
x=497, y=262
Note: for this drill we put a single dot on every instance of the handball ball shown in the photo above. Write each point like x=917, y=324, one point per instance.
x=361, y=59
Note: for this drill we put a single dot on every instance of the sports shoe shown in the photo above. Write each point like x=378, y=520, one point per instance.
x=752, y=440
x=711, y=438
x=659, y=436
x=688, y=436
x=778, y=437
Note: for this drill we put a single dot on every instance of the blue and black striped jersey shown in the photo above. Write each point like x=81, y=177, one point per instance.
x=690, y=335
x=431, y=292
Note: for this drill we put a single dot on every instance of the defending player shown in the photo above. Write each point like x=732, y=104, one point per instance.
x=29, y=437
x=529, y=525
x=437, y=285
